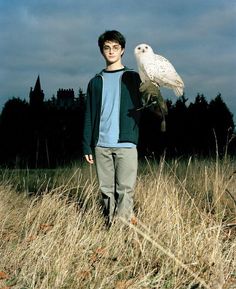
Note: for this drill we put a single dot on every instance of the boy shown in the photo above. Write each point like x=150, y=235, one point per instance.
x=111, y=127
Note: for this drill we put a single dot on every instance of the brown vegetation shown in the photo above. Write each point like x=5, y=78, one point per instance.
x=184, y=235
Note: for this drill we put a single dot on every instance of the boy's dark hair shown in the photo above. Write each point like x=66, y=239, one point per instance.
x=111, y=35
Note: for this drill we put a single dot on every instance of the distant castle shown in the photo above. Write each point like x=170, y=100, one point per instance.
x=65, y=97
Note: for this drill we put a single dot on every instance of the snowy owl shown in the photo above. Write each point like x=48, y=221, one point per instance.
x=156, y=68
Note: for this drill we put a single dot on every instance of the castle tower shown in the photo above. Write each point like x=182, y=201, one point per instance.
x=65, y=98
x=36, y=95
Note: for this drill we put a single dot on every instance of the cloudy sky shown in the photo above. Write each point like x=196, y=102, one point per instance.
x=57, y=39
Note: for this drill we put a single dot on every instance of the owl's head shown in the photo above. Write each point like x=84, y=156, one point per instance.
x=142, y=49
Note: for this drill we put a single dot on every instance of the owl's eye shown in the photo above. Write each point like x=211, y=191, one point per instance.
x=139, y=48
x=146, y=47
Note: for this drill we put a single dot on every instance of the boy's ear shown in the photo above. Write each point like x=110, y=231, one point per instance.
x=122, y=51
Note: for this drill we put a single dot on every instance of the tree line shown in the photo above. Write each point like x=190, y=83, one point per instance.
x=48, y=135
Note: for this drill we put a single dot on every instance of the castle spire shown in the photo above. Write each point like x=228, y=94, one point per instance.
x=36, y=95
x=37, y=86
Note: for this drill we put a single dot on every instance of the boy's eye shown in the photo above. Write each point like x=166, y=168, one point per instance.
x=114, y=48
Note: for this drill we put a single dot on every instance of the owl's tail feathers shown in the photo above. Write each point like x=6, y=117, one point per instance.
x=178, y=90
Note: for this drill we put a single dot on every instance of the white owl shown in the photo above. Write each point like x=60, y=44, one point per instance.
x=158, y=69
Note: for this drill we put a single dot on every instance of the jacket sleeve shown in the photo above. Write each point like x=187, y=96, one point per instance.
x=87, y=130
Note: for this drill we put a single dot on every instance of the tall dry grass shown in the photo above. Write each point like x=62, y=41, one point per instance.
x=52, y=232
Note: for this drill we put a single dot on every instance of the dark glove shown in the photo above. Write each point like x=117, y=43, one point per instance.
x=153, y=100
x=147, y=89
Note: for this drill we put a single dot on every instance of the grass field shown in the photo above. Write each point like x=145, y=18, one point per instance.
x=52, y=233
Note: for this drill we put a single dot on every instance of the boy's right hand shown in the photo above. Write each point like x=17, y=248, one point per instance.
x=89, y=159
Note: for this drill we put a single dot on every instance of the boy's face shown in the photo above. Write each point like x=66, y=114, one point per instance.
x=112, y=51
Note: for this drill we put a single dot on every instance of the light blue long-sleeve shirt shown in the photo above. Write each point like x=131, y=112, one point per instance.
x=110, y=111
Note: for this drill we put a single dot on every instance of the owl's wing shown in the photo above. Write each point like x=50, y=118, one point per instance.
x=165, y=72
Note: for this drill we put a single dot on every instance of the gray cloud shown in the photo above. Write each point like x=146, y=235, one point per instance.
x=58, y=40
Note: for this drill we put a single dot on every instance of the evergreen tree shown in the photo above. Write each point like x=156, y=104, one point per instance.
x=14, y=130
x=199, y=127
x=177, y=127
x=221, y=123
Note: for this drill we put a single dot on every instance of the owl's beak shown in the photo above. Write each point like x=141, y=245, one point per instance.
x=143, y=50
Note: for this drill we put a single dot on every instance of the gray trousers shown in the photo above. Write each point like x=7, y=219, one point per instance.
x=117, y=172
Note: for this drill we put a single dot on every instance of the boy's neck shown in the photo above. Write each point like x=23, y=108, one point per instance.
x=114, y=66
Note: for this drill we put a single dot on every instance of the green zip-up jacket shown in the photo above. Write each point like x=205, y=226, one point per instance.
x=130, y=100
